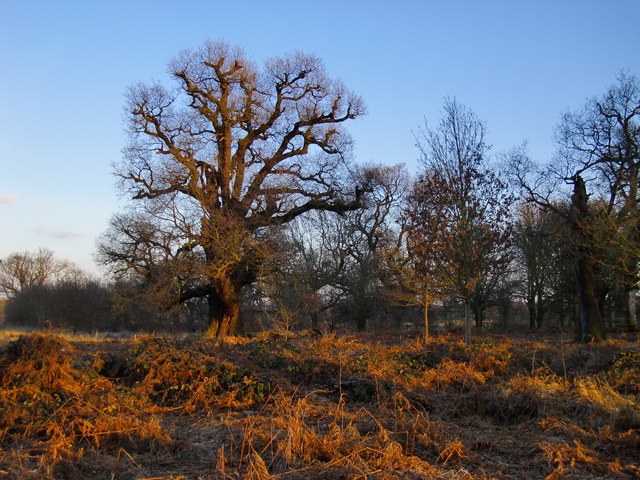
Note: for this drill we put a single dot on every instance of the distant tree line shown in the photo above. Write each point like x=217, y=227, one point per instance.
x=248, y=212
x=42, y=292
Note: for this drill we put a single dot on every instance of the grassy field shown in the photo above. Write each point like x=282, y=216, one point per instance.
x=329, y=407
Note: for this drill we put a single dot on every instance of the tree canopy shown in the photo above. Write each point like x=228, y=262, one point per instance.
x=218, y=161
x=459, y=211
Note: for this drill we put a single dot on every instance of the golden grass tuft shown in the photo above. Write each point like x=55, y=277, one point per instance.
x=453, y=376
x=605, y=406
x=453, y=450
x=296, y=437
x=564, y=458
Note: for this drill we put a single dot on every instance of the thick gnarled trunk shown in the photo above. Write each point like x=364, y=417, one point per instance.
x=590, y=320
x=589, y=316
x=224, y=310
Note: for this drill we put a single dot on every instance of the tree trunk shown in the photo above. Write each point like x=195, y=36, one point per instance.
x=361, y=318
x=531, y=307
x=632, y=319
x=426, y=315
x=589, y=318
x=224, y=309
x=214, y=320
x=562, y=317
x=467, y=324
x=540, y=308
x=504, y=310
x=619, y=311
x=477, y=314
x=625, y=305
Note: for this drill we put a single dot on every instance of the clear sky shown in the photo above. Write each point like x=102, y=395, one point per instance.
x=66, y=66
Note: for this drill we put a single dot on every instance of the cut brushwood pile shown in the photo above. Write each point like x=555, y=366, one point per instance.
x=323, y=407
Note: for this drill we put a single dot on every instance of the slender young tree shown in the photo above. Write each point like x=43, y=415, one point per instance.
x=217, y=161
x=459, y=209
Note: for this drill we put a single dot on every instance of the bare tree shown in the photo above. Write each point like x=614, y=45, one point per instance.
x=19, y=271
x=601, y=144
x=542, y=246
x=305, y=282
x=598, y=157
x=370, y=232
x=334, y=260
x=459, y=211
x=231, y=152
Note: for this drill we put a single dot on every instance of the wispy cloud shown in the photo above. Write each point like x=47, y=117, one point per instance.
x=57, y=234
x=4, y=198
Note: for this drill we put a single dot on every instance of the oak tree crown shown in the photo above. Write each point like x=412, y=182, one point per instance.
x=215, y=163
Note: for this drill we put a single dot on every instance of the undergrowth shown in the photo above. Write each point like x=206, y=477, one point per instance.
x=327, y=407
x=52, y=410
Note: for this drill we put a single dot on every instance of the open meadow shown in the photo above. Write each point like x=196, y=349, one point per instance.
x=325, y=407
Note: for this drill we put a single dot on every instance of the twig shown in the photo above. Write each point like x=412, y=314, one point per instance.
x=122, y=450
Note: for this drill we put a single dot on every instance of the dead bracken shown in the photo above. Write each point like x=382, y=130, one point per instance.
x=317, y=407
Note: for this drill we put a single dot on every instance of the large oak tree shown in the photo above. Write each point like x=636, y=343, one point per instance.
x=230, y=152
x=598, y=156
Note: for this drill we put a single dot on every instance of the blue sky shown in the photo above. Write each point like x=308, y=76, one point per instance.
x=66, y=66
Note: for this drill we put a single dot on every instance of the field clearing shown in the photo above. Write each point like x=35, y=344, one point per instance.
x=329, y=407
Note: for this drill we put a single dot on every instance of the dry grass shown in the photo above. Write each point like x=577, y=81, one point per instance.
x=9, y=335
x=329, y=407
